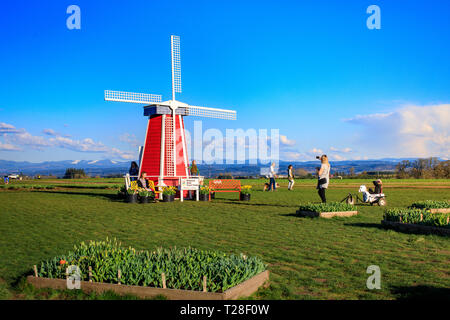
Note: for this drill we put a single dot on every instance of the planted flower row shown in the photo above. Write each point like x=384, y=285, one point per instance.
x=27, y=186
x=59, y=185
x=417, y=216
x=183, y=268
x=326, y=207
x=431, y=204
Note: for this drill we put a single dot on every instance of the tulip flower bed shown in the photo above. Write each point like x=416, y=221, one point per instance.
x=433, y=206
x=182, y=268
x=327, y=210
x=415, y=219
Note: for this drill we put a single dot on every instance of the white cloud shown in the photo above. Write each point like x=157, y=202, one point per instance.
x=50, y=132
x=20, y=137
x=344, y=150
x=292, y=155
x=8, y=147
x=85, y=145
x=369, y=118
x=285, y=141
x=410, y=131
x=315, y=150
x=26, y=139
x=8, y=128
x=131, y=139
x=116, y=153
x=337, y=157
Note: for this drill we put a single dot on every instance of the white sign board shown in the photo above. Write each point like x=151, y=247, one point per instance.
x=191, y=184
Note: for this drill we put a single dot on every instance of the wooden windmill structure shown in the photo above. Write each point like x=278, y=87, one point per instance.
x=164, y=157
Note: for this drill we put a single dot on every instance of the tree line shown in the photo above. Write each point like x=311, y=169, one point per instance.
x=73, y=173
x=428, y=168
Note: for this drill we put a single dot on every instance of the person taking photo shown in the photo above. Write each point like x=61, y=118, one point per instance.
x=323, y=174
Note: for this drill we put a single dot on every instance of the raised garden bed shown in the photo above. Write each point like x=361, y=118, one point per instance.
x=443, y=210
x=411, y=227
x=326, y=210
x=417, y=220
x=175, y=273
x=243, y=289
x=433, y=206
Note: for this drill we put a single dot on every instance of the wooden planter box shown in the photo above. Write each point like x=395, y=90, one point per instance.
x=410, y=227
x=327, y=214
x=442, y=210
x=243, y=289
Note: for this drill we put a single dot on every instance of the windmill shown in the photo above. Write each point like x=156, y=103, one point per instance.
x=164, y=157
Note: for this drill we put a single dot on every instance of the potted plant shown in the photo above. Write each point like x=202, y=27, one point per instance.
x=204, y=193
x=245, y=193
x=145, y=195
x=131, y=196
x=122, y=192
x=169, y=193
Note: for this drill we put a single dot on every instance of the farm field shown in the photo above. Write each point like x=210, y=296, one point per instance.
x=308, y=258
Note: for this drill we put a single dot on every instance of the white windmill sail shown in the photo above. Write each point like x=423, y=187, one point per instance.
x=211, y=112
x=132, y=97
x=176, y=65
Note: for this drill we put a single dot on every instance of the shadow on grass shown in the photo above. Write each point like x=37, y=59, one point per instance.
x=365, y=225
x=295, y=214
x=249, y=203
x=110, y=197
x=421, y=292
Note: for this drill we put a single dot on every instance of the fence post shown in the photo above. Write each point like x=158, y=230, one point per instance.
x=90, y=274
x=163, y=277
x=204, y=283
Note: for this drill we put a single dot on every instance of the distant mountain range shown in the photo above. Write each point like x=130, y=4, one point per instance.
x=109, y=167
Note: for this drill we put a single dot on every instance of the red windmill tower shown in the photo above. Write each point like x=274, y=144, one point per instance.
x=164, y=157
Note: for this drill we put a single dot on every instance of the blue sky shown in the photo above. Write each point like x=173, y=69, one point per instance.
x=311, y=69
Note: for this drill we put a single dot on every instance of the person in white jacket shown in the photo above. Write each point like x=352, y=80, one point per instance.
x=323, y=174
x=272, y=176
x=291, y=177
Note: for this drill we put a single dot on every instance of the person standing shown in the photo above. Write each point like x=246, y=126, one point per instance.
x=291, y=177
x=323, y=174
x=134, y=171
x=193, y=169
x=272, y=176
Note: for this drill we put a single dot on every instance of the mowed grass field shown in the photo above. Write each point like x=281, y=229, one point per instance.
x=309, y=258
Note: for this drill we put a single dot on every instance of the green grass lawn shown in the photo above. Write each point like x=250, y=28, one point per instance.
x=308, y=258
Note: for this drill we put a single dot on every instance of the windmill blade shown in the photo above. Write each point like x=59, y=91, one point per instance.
x=176, y=65
x=211, y=112
x=132, y=97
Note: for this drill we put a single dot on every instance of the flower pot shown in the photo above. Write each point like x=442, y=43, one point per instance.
x=245, y=196
x=168, y=197
x=203, y=197
x=144, y=199
x=132, y=198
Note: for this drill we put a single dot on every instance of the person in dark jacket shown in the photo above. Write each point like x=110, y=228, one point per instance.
x=134, y=171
